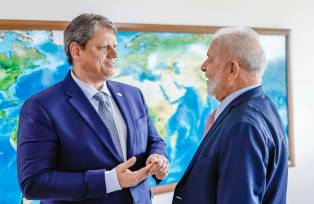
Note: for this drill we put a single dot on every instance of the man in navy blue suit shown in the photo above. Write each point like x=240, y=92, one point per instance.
x=242, y=158
x=87, y=139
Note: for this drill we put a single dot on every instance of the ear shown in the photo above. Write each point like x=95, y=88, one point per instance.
x=234, y=70
x=75, y=50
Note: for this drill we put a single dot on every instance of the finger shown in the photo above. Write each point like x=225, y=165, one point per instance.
x=164, y=165
x=143, y=173
x=163, y=173
x=154, y=169
x=151, y=159
x=160, y=162
x=166, y=169
x=165, y=162
x=160, y=165
x=127, y=164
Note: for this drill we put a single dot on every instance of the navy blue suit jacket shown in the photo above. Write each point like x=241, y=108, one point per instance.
x=242, y=159
x=64, y=147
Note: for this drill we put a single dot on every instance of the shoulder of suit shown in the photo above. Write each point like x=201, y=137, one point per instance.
x=251, y=110
x=48, y=93
x=123, y=85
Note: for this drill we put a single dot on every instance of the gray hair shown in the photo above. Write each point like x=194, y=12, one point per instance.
x=82, y=28
x=244, y=45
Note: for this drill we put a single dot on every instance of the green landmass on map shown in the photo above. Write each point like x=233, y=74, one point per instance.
x=11, y=67
x=169, y=49
x=14, y=136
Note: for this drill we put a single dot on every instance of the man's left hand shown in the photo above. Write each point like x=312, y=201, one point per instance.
x=161, y=166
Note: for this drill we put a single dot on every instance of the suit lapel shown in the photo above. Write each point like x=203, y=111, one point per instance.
x=81, y=104
x=255, y=92
x=206, y=138
x=120, y=97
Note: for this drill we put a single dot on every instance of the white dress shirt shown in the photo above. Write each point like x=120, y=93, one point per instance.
x=112, y=182
x=224, y=103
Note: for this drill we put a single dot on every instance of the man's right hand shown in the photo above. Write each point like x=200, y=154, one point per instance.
x=129, y=178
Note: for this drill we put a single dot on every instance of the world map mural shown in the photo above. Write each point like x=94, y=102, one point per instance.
x=165, y=66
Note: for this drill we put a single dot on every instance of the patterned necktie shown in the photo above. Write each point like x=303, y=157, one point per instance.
x=210, y=122
x=104, y=111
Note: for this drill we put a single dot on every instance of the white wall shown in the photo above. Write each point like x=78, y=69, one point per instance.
x=296, y=15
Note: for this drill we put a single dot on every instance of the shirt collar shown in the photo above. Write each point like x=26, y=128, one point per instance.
x=89, y=90
x=231, y=97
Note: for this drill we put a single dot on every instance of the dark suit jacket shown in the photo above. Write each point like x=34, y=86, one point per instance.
x=64, y=147
x=242, y=159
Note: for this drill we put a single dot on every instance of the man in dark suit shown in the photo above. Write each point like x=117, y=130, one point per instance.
x=87, y=139
x=242, y=158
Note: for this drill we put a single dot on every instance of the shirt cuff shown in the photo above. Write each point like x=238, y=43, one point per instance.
x=112, y=182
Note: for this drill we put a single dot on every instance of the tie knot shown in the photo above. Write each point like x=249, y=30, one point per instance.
x=103, y=99
x=100, y=96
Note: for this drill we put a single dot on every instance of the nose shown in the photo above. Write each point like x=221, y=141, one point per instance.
x=113, y=53
x=204, y=66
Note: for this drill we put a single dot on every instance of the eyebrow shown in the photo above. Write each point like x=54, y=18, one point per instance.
x=107, y=42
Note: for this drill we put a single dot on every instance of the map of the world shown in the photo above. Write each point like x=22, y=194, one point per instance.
x=165, y=66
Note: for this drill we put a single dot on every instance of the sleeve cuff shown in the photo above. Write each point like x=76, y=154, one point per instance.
x=112, y=182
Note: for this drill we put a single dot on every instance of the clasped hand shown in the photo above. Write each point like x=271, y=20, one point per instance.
x=156, y=165
x=128, y=178
x=160, y=166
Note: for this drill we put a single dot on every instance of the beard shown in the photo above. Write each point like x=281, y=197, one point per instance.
x=212, y=84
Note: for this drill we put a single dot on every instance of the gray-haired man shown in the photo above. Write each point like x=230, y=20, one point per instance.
x=243, y=156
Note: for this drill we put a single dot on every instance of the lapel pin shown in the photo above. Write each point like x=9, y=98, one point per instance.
x=119, y=94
